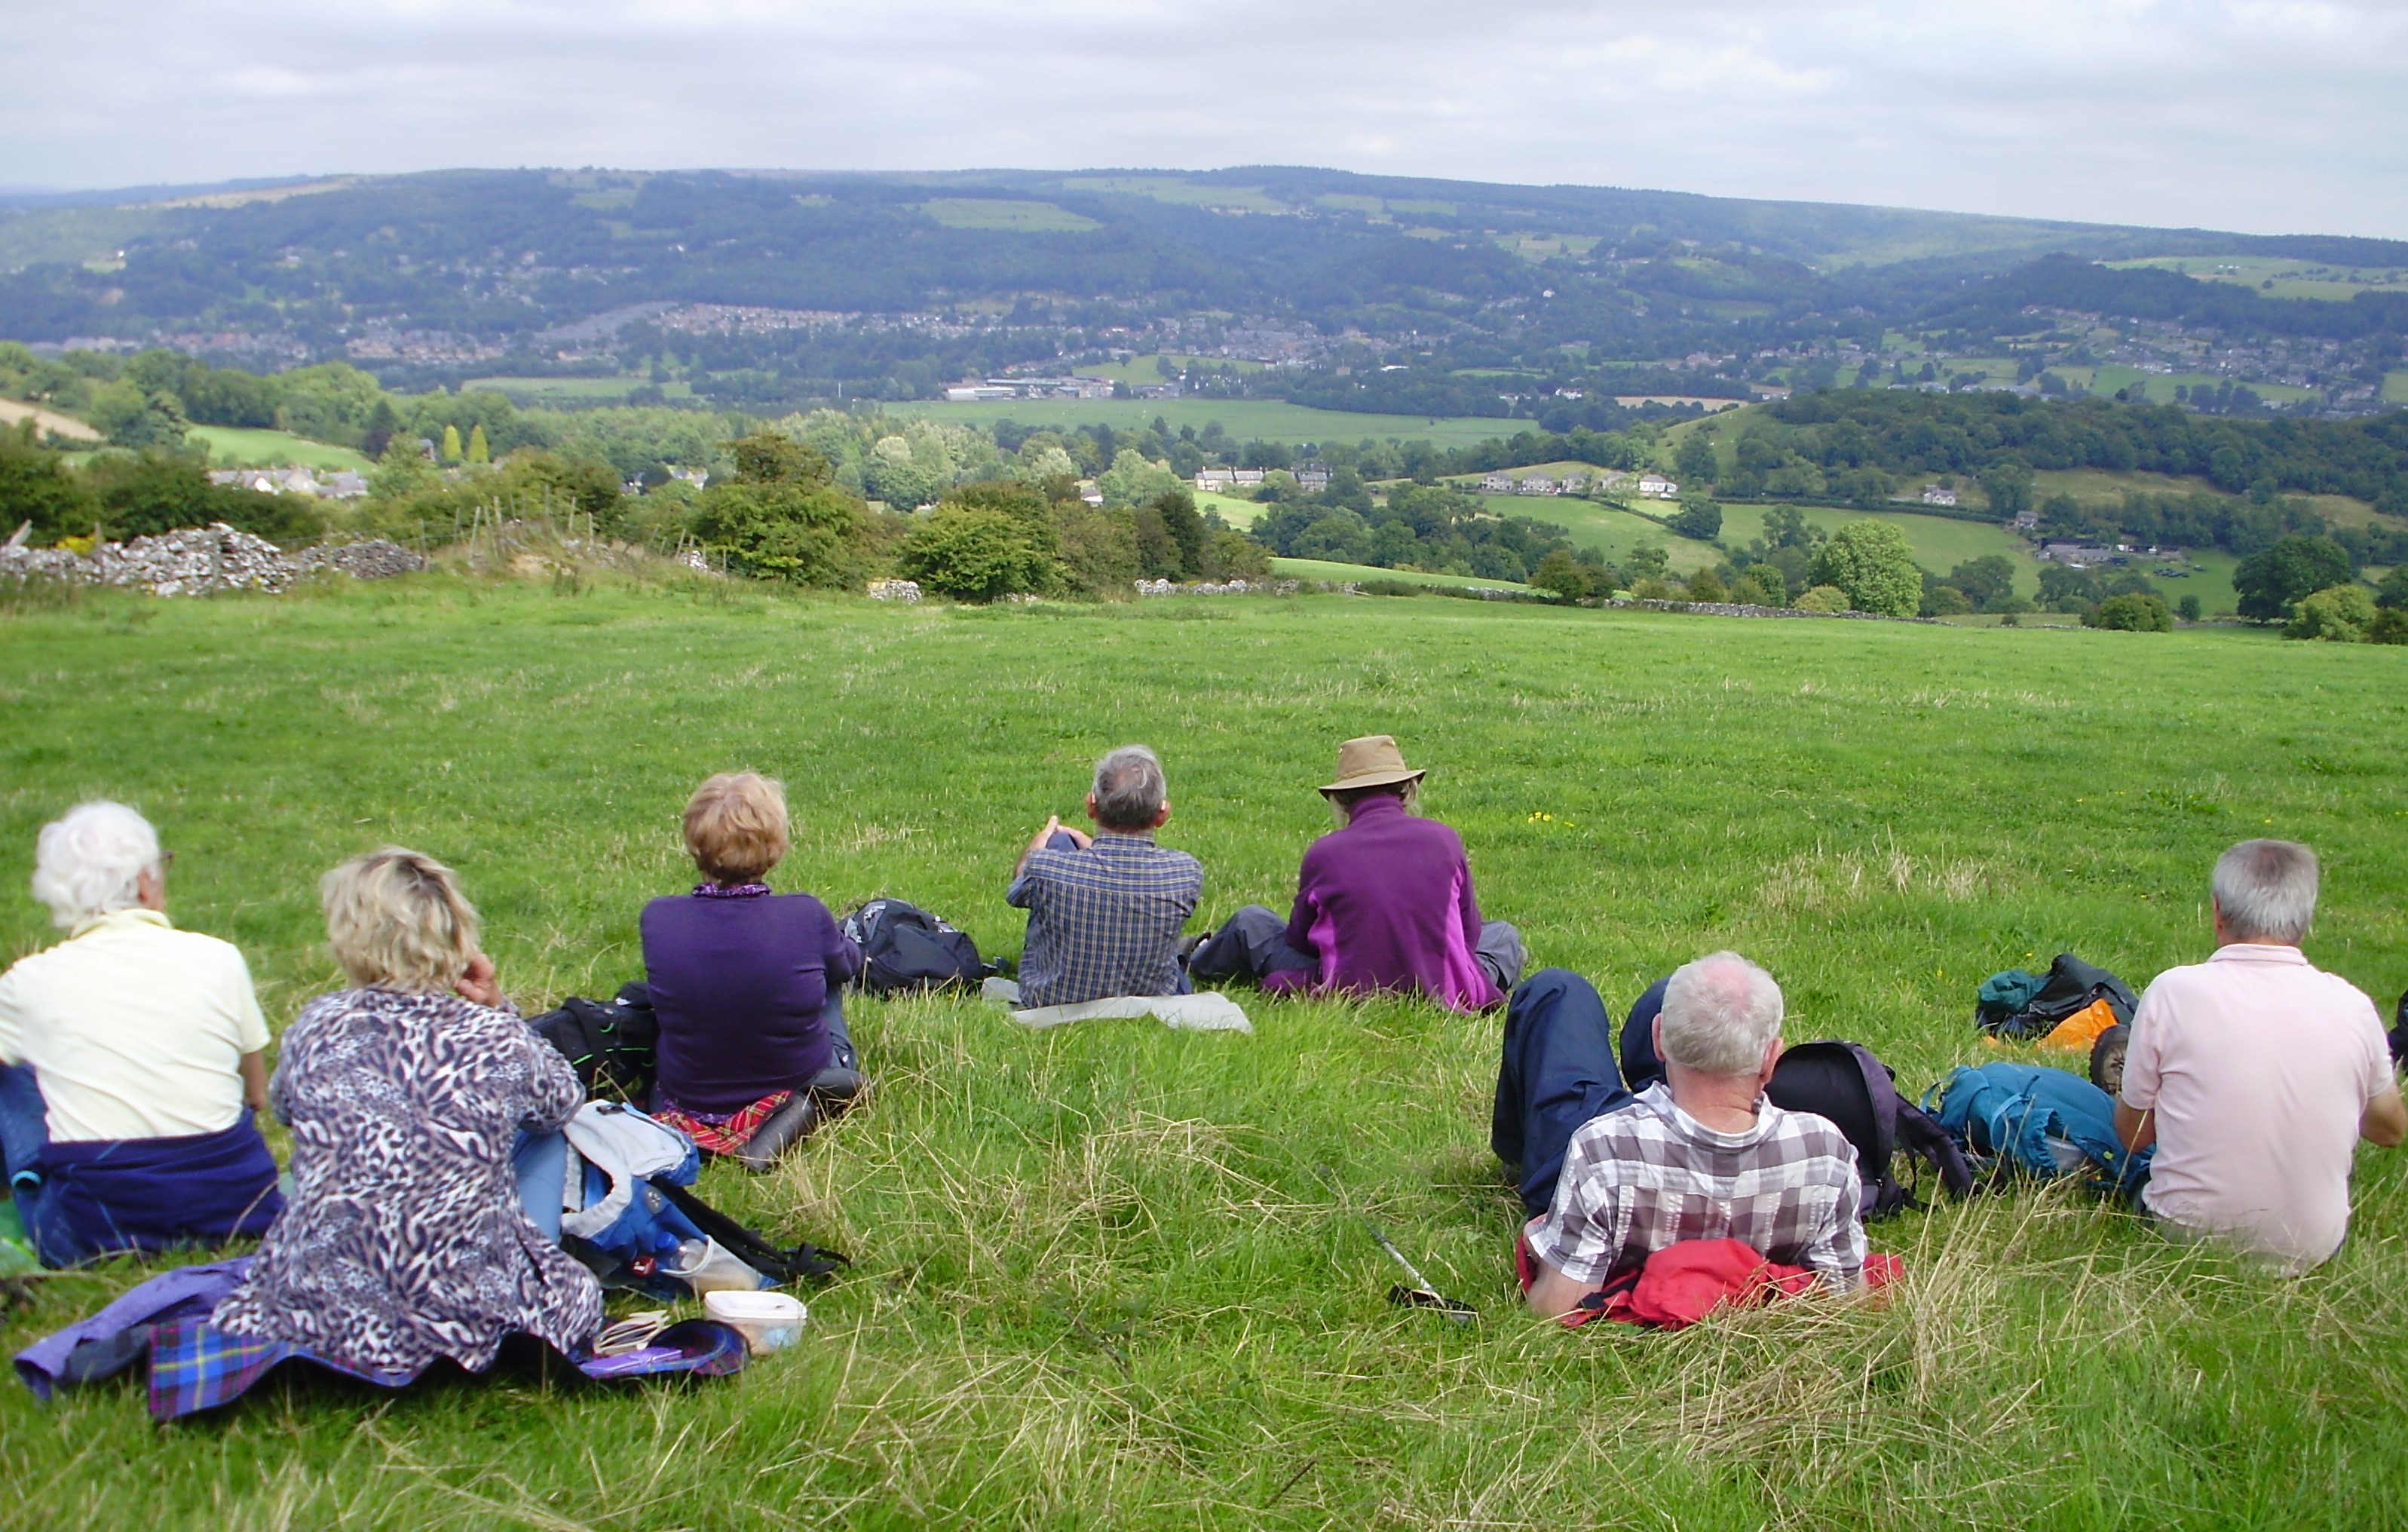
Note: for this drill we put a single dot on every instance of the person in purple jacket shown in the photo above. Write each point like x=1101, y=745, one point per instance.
x=746, y=984
x=1384, y=904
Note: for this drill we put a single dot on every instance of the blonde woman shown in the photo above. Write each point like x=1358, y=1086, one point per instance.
x=746, y=983
x=403, y=1240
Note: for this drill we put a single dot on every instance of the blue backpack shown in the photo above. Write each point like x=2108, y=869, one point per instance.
x=2027, y=1119
x=631, y=1180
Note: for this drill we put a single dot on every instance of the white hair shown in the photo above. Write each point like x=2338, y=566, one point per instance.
x=1720, y=1014
x=2266, y=890
x=89, y=862
x=1129, y=789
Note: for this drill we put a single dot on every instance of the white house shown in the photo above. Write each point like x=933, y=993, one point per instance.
x=1247, y=479
x=1497, y=484
x=1219, y=480
x=1312, y=479
x=1575, y=483
x=1655, y=486
x=1536, y=484
x=1939, y=494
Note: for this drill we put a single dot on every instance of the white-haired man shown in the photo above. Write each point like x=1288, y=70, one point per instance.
x=2254, y=1074
x=1699, y=1155
x=133, y=1059
x=1105, y=911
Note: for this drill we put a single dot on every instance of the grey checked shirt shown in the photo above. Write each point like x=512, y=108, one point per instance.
x=1104, y=921
x=1649, y=1175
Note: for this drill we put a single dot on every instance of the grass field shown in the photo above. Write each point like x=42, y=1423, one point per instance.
x=238, y=447
x=1606, y=527
x=2281, y=276
x=1010, y=215
x=1248, y=419
x=1115, y=1277
x=1334, y=572
x=542, y=391
x=1940, y=543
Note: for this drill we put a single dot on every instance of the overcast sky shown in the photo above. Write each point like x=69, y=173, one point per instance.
x=2272, y=116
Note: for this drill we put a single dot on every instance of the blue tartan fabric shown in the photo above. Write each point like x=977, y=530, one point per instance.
x=1104, y=921
x=195, y=1365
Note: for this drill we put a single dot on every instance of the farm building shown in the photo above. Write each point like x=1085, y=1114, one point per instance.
x=1939, y=494
x=1655, y=486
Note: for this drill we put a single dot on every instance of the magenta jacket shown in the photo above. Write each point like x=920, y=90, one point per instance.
x=1386, y=903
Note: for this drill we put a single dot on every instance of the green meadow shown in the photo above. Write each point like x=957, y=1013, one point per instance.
x=1117, y=1276
x=243, y=447
x=1246, y=419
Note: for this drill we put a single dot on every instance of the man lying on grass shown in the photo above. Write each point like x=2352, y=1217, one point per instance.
x=2255, y=1075
x=1105, y=911
x=1699, y=1155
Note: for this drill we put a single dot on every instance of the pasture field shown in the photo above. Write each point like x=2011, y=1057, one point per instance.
x=1334, y=572
x=1606, y=527
x=2280, y=275
x=587, y=391
x=1940, y=542
x=2395, y=388
x=1116, y=1277
x=1247, y=420
x=243, y=447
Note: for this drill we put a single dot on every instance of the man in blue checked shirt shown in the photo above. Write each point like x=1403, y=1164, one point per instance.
x=1105, y=911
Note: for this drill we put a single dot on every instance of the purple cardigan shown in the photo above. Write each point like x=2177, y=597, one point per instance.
x=1386, y=903
x=738, y=984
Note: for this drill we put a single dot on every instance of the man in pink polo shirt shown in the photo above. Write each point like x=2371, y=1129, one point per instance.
x=2256, y=1074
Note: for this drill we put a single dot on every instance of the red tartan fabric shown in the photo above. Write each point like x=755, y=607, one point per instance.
x=1684, y=1282
x=728, y=1135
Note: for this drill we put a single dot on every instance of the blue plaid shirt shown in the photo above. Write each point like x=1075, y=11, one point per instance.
x=1104, y=921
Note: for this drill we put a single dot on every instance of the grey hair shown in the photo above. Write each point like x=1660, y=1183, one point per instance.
x=1129, y=789
x=1720, y=1014
x=2266, y=890
x=90, y=861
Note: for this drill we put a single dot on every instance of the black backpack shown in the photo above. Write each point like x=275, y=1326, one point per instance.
x=611, y=1044
x=1843, y=1082
x=2071, y=986
x=905, y=948
x=2400, y=1030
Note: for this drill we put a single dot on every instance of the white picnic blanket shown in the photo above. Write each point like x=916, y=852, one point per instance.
x=1208, y=1011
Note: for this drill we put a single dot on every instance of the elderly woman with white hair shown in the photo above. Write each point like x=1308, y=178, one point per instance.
x=1699, y=1155
x=405, y=1240
x=134, y=1056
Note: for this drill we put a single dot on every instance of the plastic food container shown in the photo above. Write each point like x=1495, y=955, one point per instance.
x=768, y=1321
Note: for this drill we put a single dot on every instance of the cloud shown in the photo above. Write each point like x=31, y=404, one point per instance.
x=2262, y=115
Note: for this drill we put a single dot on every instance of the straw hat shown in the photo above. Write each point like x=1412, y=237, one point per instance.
x=1372, y=761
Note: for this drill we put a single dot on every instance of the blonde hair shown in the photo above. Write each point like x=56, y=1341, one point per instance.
x=397, y=920
x=735, y=826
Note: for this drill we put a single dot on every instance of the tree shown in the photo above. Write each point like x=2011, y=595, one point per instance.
x=1985, y=579
x=2008, y=482
x=36, y=487
x=1133, y=479
x=2270, y=583
x=2187, y=608
x=451, y=444
x=2393, y=592
x=2341, y=614
x=976, y=554
x=1946, y=601
x=781, y=519
x=2130, y=612
x=132, y=417
x=1870, y=563
x=1698, y=518
x=1185, y=527
x=1705, y=585
x=1760, y=585
x=478, y=449
x=1824, y=599
x=1566, y=577
x=1695, y=461
x=2390, y=626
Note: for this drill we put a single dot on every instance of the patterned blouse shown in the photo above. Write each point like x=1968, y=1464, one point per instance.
x=403, y=1240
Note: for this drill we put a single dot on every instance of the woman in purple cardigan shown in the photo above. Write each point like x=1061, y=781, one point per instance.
x=746, y=983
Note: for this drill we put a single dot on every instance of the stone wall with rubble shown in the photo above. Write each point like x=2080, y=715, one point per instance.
x=199, y=559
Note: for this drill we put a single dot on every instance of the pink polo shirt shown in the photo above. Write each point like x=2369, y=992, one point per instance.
x=2259, y=1065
